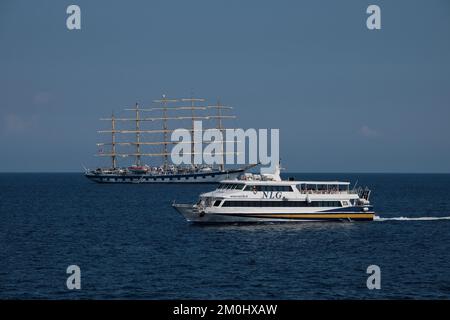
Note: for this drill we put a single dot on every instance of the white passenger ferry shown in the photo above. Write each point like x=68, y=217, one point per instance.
x=266, y=198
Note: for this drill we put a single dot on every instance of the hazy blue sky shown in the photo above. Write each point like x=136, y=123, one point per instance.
x=345, y=98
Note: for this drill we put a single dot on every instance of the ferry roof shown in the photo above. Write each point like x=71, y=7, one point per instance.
x=283, y=183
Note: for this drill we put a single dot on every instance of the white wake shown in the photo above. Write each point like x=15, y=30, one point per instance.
x=377, y=218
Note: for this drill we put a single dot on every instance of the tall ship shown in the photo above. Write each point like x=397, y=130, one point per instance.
x=267, y=198
x=154, y=143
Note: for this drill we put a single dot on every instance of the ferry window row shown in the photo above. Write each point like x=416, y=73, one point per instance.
x=268, y=188
x=322, y=187
x=231, y=186
x=281, y=204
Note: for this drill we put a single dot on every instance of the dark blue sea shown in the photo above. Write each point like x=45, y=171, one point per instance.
x=130, y=244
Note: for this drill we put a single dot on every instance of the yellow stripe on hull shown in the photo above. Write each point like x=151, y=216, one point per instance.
x=322, y=216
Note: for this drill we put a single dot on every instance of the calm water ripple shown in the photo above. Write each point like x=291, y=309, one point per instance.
x=129, y=243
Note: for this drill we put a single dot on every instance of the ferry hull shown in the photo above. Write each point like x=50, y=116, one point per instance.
x=192, y=215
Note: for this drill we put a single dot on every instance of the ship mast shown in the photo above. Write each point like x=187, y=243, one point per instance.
x=192, y=100
x=220, y=127
x=164, y=101
x=166, y=161
x=113, y=141
x=138, y=137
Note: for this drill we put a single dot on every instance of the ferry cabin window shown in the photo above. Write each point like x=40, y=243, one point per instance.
x=217, y=203
x=268, y=188
x=281, y=204
x=230, y=186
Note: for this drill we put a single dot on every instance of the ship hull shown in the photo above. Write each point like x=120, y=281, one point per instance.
x=189, y=212
x=200, y=177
